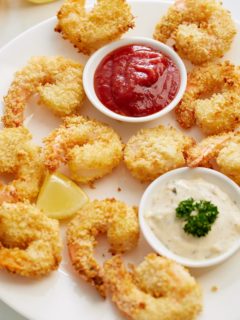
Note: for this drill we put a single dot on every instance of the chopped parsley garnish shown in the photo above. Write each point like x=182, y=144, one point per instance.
x=198, y=215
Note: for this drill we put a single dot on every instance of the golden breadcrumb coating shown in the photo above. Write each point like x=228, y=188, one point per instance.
x=88, y=31
x=212, y=98
x=202, y=29
x=117, y=220
x=152, y=152
x=30, y=242
x=203, y=152
x=228, y=159
x=11, y=143
x=24, y=160
x=90, y=148
x=58, y=82
x=158, y=289
x=223, y=148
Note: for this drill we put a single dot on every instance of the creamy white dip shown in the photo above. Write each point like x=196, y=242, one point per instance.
x=160, y=215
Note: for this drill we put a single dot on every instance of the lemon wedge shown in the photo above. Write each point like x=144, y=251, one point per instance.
x=60, y=197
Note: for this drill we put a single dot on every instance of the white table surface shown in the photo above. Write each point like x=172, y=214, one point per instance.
x=17, y=16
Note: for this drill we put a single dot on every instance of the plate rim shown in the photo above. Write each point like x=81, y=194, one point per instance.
x=5, y=46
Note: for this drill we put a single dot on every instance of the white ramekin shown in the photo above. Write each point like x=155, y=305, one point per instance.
x=212, y=176
x=96, y=58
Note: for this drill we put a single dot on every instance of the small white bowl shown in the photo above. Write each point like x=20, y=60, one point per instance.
x=97, y=57
x=212, y=176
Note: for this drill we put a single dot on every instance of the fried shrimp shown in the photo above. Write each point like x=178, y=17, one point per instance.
x=109, y=216
x=223, y=148
x=202, y=29
x=91, y=149
x=152, y=152
x=30, y=243
x=106, y=22
x=158, y=289
x=58, y=82
x=212, y=98
x=18, y=156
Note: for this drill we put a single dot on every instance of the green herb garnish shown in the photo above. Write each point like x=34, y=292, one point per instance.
x=199, y=216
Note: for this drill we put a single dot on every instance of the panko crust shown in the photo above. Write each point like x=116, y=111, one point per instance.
x=202, y=29
x=152, y=152
x=212, y=98
x=157, y=289
x=228, y=159
x=203, y=152
x=20, y=157
x=30, y=243
x=90, y=148
x=117, y=220
x=11, y=142
x=224, y=149
x=219, y=114
x=57, y=81
x=30, y=173
x=88, y=31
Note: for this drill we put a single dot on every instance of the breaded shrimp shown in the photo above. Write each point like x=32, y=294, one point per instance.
x=110, y=216
x=23, y=159
x=212, y=98
x=207, y=149
x=88, y=31
x=223, y=148
x=202, y=29
x=91, y=149
x=158, y=289
x=30, y=242
x=58, y=82
x=152, y=152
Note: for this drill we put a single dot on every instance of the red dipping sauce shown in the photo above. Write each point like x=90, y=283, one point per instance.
x=136, y=81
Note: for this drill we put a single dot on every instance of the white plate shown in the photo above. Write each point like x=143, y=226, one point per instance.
x=63, y=295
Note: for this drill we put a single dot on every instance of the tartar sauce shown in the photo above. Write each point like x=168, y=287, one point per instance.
x=160, y=214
